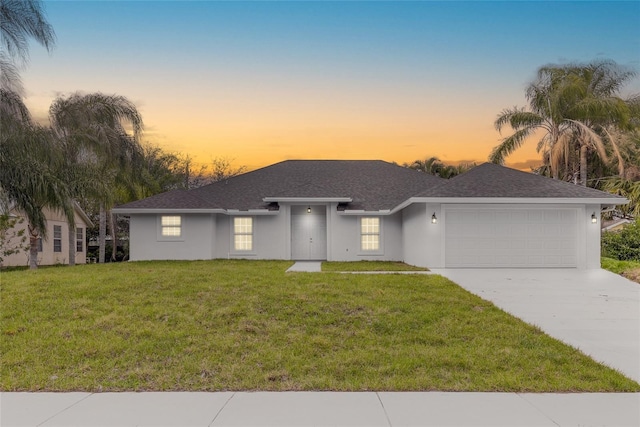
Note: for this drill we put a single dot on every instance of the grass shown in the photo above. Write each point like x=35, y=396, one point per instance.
x=246, y=325
x=369, y=266
x=629, y=269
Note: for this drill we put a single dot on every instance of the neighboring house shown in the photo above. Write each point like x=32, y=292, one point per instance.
x=54, y=249
x=338, y=210
x=615, y=224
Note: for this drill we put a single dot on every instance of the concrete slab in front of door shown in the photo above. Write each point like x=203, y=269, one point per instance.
x=306, y=266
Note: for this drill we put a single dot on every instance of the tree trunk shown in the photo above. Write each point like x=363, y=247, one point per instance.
x=114, y=237
x=72, y=245
x=33, y=249
x=583, y=165
x=102, y=234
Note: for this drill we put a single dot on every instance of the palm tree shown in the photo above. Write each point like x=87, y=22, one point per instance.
x=27, y=161
x=92, y=129
x=433, y=166
x=576, y=107
x=19, y=21
x=29, y=165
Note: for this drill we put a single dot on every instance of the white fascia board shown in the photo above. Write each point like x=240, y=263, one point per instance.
x=165, y=211
x=82, y=214
x=361, y=212
x=308, y=199
x=607, y=208
x=491, y=200
x=250, y=212
x=521, y=200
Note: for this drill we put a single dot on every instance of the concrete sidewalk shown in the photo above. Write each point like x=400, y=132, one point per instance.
x=319, y=409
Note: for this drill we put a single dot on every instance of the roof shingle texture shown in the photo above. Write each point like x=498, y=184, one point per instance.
x=491, y=180
x=372, y=184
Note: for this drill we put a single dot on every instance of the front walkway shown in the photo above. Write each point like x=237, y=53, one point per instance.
x=595, y=311
x=306, y=266
x=319, y=409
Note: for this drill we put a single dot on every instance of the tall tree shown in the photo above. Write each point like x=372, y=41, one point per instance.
x=93, y=129
x=29, y=166
x=433, y=166
x=27, y=161
x=20, y=20
x=576, y=107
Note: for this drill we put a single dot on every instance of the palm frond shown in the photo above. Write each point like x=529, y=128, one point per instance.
x=509, y=145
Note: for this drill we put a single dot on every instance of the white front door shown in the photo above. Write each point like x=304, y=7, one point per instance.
x=309, y=232
x=508, y=236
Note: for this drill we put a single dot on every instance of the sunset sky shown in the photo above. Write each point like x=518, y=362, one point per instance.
x=262, y=82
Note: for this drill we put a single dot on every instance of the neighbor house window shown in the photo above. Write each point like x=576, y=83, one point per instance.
x=171, y=226
x=370, y=234
x=243, y=233
x=57, y=238
x=79, y=239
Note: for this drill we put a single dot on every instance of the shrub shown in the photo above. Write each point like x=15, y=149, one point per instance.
x=624, y=244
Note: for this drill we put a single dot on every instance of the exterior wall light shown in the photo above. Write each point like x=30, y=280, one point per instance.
x=594, y=218
x=309, y=209
x=434, y=218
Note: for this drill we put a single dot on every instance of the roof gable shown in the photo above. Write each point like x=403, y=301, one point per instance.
x=490, y=180
x=370, y=184
x=367, y=185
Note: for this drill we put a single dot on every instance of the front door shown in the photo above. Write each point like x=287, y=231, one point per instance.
x=309, y=232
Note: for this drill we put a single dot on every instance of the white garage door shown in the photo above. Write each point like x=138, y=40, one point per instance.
x=511, y=237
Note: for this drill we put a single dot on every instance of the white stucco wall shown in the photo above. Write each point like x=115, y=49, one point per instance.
x=592, y=237
x=196, y=241
x=344, y=238
x=422, y=240
x=269, y=237
x=408, y=236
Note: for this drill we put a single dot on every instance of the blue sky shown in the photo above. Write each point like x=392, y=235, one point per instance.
x=265, y=81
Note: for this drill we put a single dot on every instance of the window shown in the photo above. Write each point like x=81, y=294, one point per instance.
x=79, y=239
x=370, y=234
x=243, y=233
x=171, y=226
x=57, y=238
x=39, y=244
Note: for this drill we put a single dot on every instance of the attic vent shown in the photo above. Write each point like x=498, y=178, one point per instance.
x=342, y=207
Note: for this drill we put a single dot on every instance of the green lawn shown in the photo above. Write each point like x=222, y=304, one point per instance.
x=618, y=266
x=369, y=266
x=246, y=325
x=629, y=269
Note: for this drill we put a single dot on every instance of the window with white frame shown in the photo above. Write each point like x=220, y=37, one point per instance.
x=79, y=239
x=370, y=234
x=243, y=233
x=171, y=226
x=57, y=238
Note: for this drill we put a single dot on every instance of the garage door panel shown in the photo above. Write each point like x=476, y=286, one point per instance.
x=517, y=237
x=537, y=216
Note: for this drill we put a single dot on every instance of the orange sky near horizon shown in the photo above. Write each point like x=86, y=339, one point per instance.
x=265, y=133
x=263, y=82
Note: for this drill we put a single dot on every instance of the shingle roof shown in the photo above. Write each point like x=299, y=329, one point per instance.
x=372, y=185
x=491, y=180
x=176, y=199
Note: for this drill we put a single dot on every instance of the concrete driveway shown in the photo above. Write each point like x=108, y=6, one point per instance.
x=595, y=311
